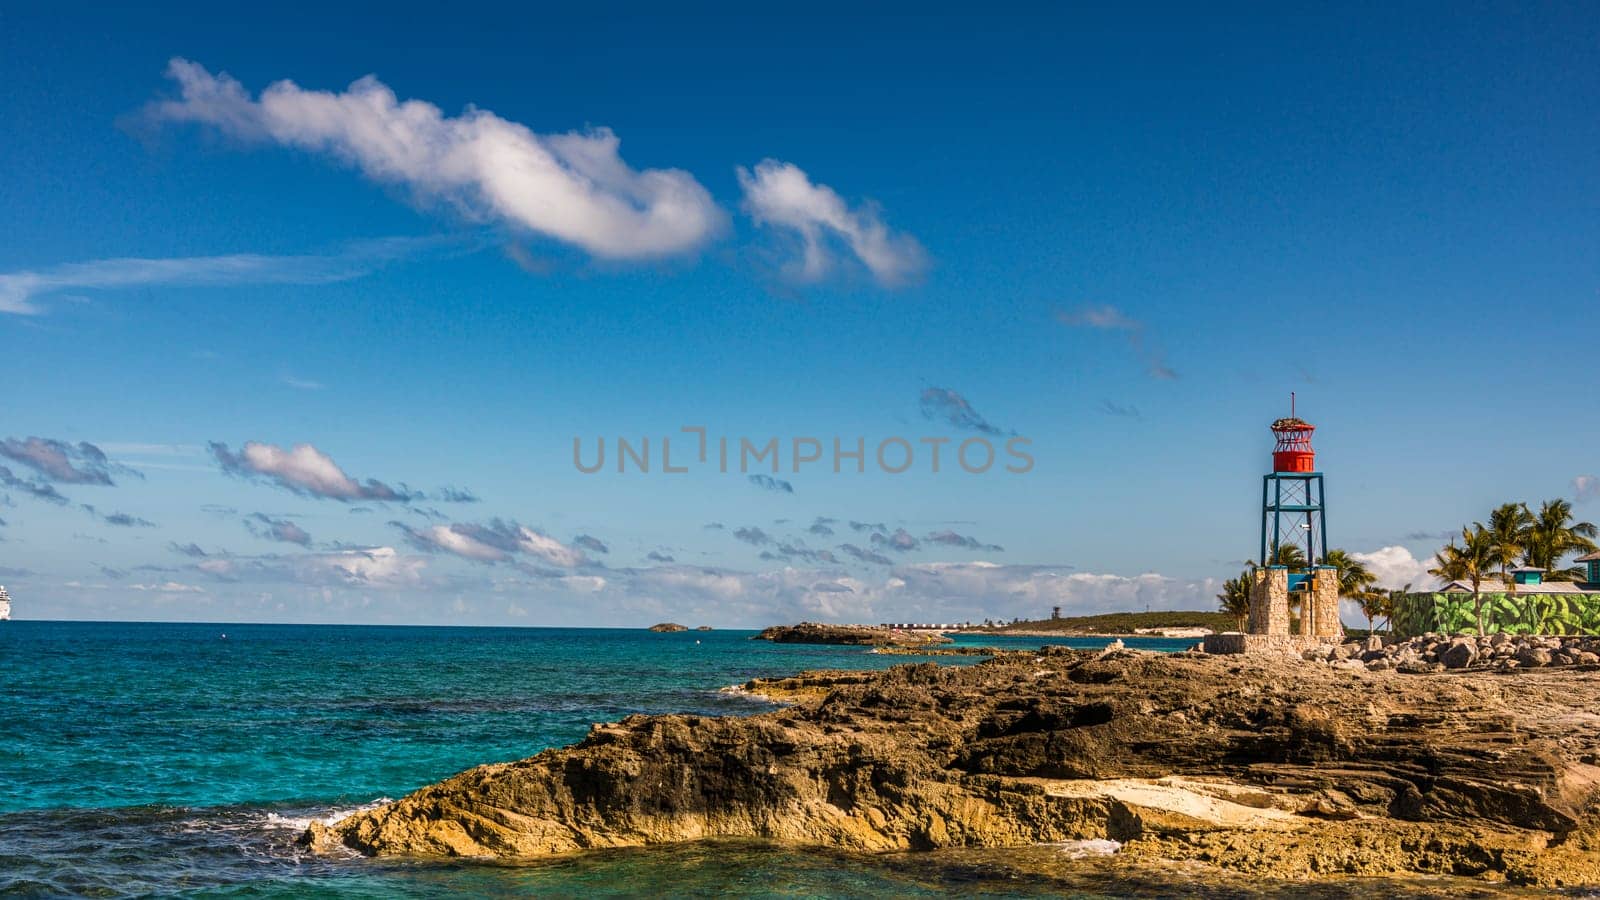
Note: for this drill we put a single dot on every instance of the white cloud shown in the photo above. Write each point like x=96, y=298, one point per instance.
x=939, y=592
x=1395, y=567
x=547, y=548
x=302, y=469
x=460, y=543
x=1585, y=487
x=497, y=541
x=382, y=567
x=572, y=187
x=781, y=195
x=169, y=587
x=20, y=290
x=1103, y=316
x=374, y=566
x=989, y=590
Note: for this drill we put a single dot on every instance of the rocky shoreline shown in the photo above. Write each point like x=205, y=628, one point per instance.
x=1439, y=653
x=850, y=635
x=1270, y=766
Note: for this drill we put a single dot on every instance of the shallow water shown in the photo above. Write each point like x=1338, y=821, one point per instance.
x=175, y=758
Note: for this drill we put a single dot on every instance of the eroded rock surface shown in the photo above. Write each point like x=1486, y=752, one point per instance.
x=1273, y=766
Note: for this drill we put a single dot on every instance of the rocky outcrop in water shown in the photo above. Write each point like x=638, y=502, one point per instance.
x=1256, y=765
x=668, y=627
x=854, y=635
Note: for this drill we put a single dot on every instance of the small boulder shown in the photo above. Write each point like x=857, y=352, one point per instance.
x=1533, y=657
x=1459, y=655
x=1374, y=643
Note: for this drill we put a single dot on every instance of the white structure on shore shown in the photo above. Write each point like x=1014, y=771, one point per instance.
x=5, y=604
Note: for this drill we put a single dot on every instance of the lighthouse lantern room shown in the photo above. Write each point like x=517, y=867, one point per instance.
x=1292, y=501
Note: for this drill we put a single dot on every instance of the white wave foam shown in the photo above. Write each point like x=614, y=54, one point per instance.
x=334, y=816
x=1085, y=849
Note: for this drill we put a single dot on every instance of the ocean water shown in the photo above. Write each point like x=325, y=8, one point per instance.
x=162, y=759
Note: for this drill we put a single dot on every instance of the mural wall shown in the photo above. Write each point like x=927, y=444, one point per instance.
x=1511, y=613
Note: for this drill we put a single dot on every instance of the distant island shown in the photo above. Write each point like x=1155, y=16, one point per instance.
x=1179, y=623
x=668, y=627
x=852, y=635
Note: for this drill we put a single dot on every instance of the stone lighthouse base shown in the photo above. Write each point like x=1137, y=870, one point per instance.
x=1268, y=622
x=1234, y=642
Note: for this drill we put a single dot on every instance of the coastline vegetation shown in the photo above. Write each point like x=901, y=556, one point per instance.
x=1515, y=536
x=1124, y=623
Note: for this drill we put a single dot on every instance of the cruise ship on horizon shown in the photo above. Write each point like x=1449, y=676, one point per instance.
x=5, y=604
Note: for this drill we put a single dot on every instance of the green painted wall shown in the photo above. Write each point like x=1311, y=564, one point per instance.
x=1416, y=614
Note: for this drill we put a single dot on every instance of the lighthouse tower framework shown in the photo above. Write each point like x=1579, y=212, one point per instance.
x=1293, y=504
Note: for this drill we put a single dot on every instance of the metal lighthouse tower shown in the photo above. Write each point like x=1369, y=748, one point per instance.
x=1291, y=495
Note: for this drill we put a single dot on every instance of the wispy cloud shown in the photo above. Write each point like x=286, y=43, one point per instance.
x=574, y=188
x=867, y=556
x=944, y=404
x=780, y=195
x=952, y=539
x=119, y=519
x=20, y=290
x=191, y=550
x=301, y=384
x=1585, y=487
x=768, y=483
x=277, y=529
x=591, y=543
x=167, y=587
x=303, y=469
x=1104, y=317
x=901, y=541
x=791, y=551
x=34, y=488
x=496, y=541
x=63, y=462
x=374, y=567
x=753, y=536
x=1119, y=411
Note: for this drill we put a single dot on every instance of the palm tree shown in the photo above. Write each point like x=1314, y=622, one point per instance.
x=1553, y=535
x=1288, y=555
x=1477, y=557
x=1373, y=604
x=1386, y=606
x=1235, y=597
x=1354, y=576
x=1509, y=523
x=1447, y=564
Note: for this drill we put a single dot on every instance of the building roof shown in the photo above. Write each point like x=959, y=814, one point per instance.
x=1496, y=586
x=1590, y=557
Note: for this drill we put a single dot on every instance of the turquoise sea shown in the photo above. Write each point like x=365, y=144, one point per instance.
x=142, y=759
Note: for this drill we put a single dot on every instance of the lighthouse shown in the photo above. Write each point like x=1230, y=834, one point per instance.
x=1292, y=507
x=1291, y=494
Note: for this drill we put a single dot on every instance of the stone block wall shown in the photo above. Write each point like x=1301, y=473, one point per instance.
x=1269, y=602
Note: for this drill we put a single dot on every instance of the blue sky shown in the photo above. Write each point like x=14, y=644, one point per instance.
x=1124, y=236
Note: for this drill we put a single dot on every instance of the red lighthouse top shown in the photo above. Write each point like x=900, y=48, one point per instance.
x=1293, y=452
